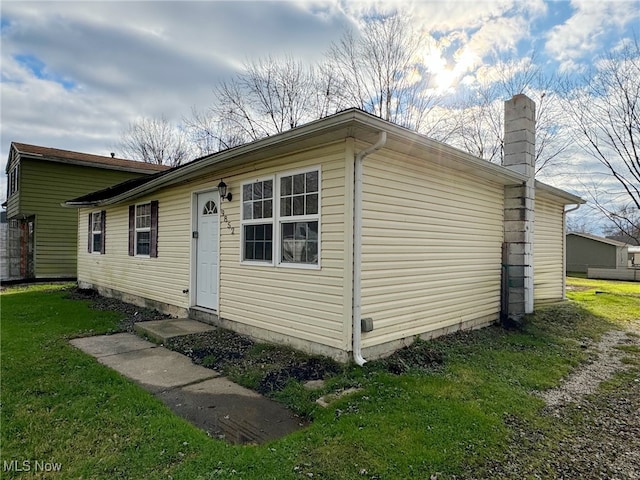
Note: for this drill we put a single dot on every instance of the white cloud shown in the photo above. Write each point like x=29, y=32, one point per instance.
x=145, y=59
x=584, y=32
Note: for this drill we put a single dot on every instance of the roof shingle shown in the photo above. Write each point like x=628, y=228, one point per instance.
x=68, y=156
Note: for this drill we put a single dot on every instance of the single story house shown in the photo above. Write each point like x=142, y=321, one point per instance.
x=348, y=236
x=586, y=251
x=42, y=233
x=634, y=256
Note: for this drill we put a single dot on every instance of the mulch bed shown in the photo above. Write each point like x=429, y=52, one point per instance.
x=131, y=313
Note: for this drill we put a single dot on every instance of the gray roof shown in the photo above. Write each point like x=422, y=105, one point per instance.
x=596, y=238
x=353, y=123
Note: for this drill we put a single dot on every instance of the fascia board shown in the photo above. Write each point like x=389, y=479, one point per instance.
x=566, y=197
x=226, y=158
x=351, y=123
x=101, y=166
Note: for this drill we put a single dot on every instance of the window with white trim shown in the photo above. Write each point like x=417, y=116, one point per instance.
x=299, y=218
x=282, y=224
x=143, y=229
x=257, y=221
x=96, y=232
x=14, y=180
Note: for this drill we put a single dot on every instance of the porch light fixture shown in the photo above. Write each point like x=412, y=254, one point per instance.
x=222, y=189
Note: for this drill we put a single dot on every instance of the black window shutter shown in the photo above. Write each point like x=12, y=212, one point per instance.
x=153, y=251
x=103, y=228
x=132, y=230
x=90, y=230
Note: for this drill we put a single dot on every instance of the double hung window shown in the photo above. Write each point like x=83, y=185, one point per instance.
x=14, y=180
x=257, y=220
x=97, y=223
x=143, y=229
x=299, y=218
x=282, y=223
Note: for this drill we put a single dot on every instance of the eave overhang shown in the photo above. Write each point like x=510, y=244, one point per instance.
x=352, y=123
x=558, y=195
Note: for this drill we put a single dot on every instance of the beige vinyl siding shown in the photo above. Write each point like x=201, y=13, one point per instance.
x=312, y=305
x=548, y=251
x=162, y=279
x=431, y=248
x=308, y=304
x=43, y=187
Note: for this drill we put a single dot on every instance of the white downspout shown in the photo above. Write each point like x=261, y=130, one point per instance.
x=357, y=245
x=564, y=249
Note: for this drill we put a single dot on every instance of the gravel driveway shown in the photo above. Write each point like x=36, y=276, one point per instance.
x=594, y=433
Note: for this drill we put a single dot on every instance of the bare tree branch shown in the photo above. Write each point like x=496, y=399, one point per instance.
x=605, y=109
x=480, y=112
x=381, y=72
x=155, y=140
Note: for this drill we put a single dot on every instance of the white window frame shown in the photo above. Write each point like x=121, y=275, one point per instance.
x=258, y=221
x=280, y=219
x=14, y=179
x=277, y=220
x=141, y=230
x=94, y=232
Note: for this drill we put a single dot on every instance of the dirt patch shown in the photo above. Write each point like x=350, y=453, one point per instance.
x=420, y=356
x=264, y=368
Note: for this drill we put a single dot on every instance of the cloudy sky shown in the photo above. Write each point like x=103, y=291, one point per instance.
x=75, y=74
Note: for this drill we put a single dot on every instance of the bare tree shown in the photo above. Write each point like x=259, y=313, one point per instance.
x=155, y=140
x=605, y=112
x=480, y=113
x=480, y=124
x=209, y=133
x=579, y=224
x=625, y=225
x=270, y=96
x=382, y=72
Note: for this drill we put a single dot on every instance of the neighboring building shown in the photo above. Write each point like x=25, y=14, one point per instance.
x=633, y=248
x=4, y=254
x=586, y=251
x=42, y=237
x=348, y=235
x=627, y=239
x=634, y=256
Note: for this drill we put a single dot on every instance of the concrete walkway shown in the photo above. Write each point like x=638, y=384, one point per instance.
x=200, y=395
x=160, y=331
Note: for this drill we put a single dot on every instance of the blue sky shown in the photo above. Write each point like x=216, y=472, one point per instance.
x=74, y=74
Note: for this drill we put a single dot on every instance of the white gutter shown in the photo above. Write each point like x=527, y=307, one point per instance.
x=357, y=246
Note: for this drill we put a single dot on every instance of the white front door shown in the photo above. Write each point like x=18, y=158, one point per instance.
x=207, y=250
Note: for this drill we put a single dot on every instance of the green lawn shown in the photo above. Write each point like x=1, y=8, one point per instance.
x=616, y=300
x=60, y=405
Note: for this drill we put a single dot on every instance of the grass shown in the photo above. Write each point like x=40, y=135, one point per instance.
x=608, y=299
x=440, y=418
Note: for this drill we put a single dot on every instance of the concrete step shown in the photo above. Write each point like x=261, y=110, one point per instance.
x=160, y=331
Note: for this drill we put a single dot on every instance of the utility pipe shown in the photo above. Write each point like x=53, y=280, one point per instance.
x=357, y=245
